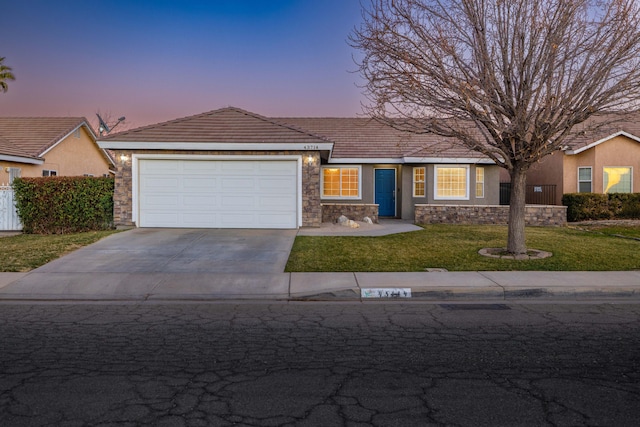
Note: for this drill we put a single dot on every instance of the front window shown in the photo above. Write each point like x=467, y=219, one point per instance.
x=341, y=182
x=617, y=180
x=47, y=172
x=451, y=182
x=479, y=183
x=14, y=173
x=418, y=182
x=584, y=180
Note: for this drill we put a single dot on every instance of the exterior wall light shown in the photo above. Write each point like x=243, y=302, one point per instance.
x=310, y=159
x=124, y=158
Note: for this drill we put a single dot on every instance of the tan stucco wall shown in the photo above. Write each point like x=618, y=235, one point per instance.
x=619, y=151
x=71, y=157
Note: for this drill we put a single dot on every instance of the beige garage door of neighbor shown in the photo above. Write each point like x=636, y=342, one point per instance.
x=218, y=193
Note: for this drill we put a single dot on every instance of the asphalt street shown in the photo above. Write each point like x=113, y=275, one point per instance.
x=318, y=364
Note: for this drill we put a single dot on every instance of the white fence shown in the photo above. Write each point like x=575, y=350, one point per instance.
x=9, y=220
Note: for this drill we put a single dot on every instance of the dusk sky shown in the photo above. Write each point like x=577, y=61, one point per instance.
x=153, y=61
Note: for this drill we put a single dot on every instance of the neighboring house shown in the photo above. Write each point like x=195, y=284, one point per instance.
x=602, y=161
x=231, y=168
x=50, y=146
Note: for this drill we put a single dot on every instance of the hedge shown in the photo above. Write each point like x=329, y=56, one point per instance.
x=60, y=205
x=591, y=206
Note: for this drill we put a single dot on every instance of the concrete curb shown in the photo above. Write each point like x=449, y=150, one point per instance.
x=423, y=286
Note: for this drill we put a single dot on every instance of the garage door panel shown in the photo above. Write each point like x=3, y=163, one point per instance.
x=237, y=168
x=237, y=220
x=236, y=202
x=203, y=183
x=278, y=186
x=160, y=183
x=238, y=184
x=278, y=168
x=199, y=220
x=274, y=221
x=161, y=219
x=200, y=167
x=218, y=193
x=155, y=202
x=160, y=167
x=275, y=203
x=200, y=202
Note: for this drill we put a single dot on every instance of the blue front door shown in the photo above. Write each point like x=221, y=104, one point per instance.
x=385, y=196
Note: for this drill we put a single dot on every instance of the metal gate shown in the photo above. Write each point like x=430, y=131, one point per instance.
x=9, y=220
x=535, y=195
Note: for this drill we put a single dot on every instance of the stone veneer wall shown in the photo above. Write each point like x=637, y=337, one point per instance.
x=311, y=209
x=459, y=214
x=332, y=211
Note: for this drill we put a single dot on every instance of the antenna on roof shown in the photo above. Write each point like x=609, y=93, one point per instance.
x=103, y=128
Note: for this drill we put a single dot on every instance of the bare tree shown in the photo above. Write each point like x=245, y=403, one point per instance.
x=510, y=79
x=5, y=74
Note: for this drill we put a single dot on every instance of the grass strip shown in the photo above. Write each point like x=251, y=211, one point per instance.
x=24, y=252
x=455, y=248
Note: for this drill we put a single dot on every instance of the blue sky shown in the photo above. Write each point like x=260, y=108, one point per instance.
x=158, y=60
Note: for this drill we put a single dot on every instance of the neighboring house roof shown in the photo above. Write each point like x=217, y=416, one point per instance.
x=218, y=129
x=605, y=127
x=9, y=152
x=27, y=139
x=36, y=135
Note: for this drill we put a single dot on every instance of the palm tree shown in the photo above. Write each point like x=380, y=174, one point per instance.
x=5, y=74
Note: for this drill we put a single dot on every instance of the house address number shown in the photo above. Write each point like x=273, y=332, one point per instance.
x=311, y=147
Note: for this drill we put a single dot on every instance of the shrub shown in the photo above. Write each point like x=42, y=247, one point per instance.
x=591, y=206
x=584, y=206
x=625, y=205
x=59, y=205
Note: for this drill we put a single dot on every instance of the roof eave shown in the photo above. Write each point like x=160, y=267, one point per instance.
x=216, y=146
x=20, y=159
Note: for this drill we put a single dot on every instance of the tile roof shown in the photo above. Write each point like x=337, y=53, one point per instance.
x=226, y=125
x=7, y=148
x=32, y=136
x=352, y=138
x=609, y=124
x=366, y=138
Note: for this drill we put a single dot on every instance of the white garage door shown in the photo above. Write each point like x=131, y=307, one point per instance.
x=218, y=193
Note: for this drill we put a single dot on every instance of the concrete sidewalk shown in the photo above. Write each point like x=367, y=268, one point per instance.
x=423, y=286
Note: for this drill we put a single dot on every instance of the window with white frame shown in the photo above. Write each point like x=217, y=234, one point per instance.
x=48, y=172
x=341, y=182
x=479, y=183
x=585, y=180
x=14, y=173
x=419, y=189
x=451, y=182
x=617, y=180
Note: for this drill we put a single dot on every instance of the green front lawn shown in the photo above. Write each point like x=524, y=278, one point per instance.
x=455, y=247
x=25, y=252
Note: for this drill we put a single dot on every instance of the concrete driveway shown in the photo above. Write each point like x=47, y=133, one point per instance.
x=153, y=250
x=145, y=263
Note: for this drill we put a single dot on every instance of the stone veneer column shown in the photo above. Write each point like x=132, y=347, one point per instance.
x=122, y=196
x=311, y=209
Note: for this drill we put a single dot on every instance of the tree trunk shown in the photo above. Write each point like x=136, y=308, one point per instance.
x=516, y=243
